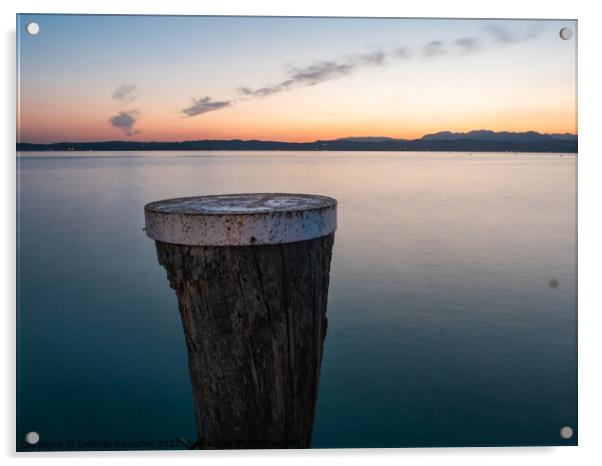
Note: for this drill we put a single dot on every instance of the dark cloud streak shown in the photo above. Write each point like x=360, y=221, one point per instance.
x=205, y=105
x=434, y=48
x=328, y=70
x=467, y=44
x=320, y=72
x=502, y=35
x=303, y=77
x=371, y=58
x=316, y=73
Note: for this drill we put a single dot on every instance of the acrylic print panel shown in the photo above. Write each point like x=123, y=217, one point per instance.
x=261, y=232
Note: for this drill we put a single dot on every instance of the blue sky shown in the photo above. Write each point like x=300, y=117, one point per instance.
x=352, y=77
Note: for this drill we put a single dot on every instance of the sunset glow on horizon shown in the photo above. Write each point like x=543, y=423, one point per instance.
x=170, y=78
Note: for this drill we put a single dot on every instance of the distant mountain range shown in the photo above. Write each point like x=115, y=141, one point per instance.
x=472, y=141
x=486, y=135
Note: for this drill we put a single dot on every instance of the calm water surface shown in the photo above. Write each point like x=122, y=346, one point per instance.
x=452, y=307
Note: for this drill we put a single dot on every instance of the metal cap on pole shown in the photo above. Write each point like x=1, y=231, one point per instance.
x=241, y=219
x=251, y=274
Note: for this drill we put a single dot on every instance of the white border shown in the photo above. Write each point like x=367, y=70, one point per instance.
x=590, y=225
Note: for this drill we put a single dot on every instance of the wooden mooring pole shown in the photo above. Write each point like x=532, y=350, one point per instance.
x=251, y=275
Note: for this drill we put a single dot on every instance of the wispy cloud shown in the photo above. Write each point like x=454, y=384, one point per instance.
x=328, y=70
x=467, y=44
x=205, y=105
x=318, y=72
x=503, y=35
x=125, y=93
x=302, y=77
x=434, y=48
x=265, y=91
x=297, y=77
x=401, y=52
x=125, y=121
x=371, y=58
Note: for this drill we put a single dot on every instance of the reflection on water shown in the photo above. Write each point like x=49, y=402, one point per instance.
x=452, y=308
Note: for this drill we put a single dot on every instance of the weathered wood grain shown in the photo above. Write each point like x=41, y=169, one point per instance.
x=254, y=318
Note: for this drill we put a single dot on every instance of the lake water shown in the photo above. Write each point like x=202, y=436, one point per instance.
x=452, y=306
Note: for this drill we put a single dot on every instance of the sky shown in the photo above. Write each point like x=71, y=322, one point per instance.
x=172, y=78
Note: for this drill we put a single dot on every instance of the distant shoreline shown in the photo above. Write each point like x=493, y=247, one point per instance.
x=26, y=155
x=473, y=141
